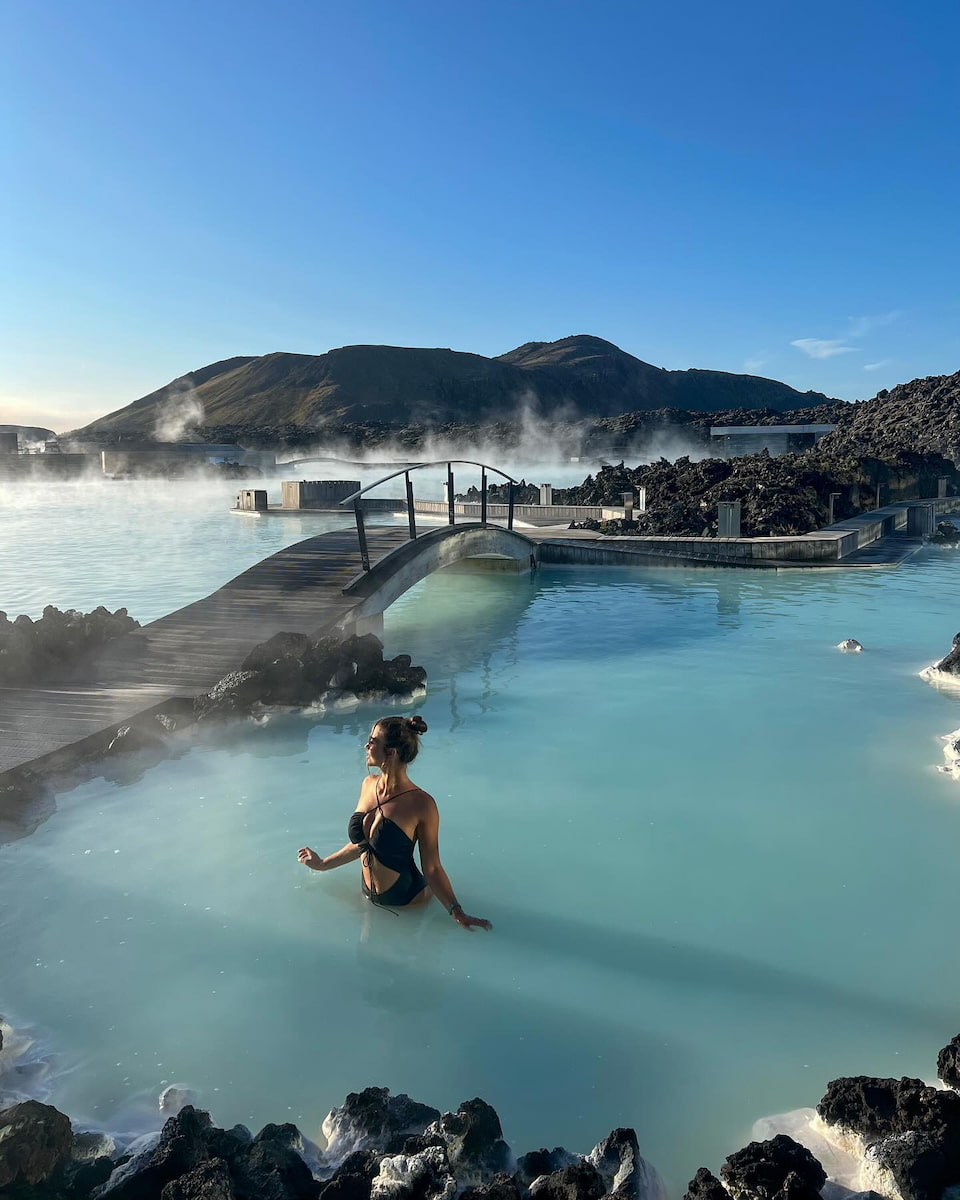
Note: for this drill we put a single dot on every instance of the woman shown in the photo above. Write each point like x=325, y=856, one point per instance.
x=392, y=816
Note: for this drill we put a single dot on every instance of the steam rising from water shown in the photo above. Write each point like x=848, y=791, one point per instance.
x=534, y=441
x=179, y=416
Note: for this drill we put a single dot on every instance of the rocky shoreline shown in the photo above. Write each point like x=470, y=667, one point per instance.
x=892, y=1138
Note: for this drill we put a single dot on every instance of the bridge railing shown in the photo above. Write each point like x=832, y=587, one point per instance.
x=355, y=500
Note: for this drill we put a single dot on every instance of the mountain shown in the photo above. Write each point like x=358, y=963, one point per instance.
x=398, y=386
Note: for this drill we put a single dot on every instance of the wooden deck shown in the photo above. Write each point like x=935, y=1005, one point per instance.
x=300, y=589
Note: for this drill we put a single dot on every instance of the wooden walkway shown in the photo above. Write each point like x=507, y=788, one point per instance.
x=300, y=589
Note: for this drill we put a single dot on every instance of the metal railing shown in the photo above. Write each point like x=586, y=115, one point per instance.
x=355, y=498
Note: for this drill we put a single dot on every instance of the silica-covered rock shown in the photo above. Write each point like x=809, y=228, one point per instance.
x=473, y=1139
x=579, y=1181
x=34, y=1140
x=778, y=1169
x=423, y=1176
x=948, y=1063
x=951, y=662
x=705, y=1186
x=624, y=1169
x=373, y=1120
x=911, y=1131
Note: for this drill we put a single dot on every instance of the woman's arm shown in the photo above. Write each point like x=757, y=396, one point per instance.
x=350, y=853
x=428, y=835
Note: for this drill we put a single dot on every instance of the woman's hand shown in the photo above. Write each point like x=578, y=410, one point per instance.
x=465, y=921
x=310, y=858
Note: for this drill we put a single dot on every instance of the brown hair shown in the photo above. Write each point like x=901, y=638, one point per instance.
x=403, y=735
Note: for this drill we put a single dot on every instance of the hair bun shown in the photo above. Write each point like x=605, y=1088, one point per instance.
x=417, y=724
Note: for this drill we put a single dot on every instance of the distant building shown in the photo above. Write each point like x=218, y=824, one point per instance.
x=733, y=441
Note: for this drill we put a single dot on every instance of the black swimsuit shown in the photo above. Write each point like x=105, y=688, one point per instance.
x=391, y=846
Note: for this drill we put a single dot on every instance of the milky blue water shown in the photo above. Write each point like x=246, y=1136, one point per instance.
x=720, y=864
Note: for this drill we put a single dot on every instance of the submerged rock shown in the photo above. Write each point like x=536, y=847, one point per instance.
x=778, y=1169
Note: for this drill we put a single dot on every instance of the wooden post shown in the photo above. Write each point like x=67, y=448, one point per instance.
x=510, y=505
x=361, y=535
x=483, y=496
x=451, y=515
x=411, y=511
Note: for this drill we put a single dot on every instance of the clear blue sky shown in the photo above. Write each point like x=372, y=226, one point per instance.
x=704, y=184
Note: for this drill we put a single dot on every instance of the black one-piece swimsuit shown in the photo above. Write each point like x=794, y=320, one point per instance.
x=391, y=846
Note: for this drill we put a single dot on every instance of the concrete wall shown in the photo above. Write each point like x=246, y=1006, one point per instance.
x=412, y=561
x=317, y=493
x=47, y=466
x=822, y=546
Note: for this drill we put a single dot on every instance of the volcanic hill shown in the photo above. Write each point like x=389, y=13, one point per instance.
x=394, y=386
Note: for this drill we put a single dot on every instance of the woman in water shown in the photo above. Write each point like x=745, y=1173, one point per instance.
x=392, y=816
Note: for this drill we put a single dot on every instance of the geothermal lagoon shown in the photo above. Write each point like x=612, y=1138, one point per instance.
x=717, y=854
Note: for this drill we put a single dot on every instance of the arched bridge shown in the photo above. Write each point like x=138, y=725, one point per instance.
x=374, y=590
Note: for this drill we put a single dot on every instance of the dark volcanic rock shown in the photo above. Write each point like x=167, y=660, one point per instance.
x=951, y=662
x=33, y=650
x=948, y=1060
x=293, y=670
x=208, y=1181
x=374, y=1120
x=580, y=1181
x=501, y=1187
x=878, y=1108
x=535, y=1163
x=272, y=1166
x=348, y=1186
x=779, y=1168
x=705, y=1186
x=183, y=1145
x=474, y=1142
x=233, y=696
x=34, y=1140
x=922, y=1166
